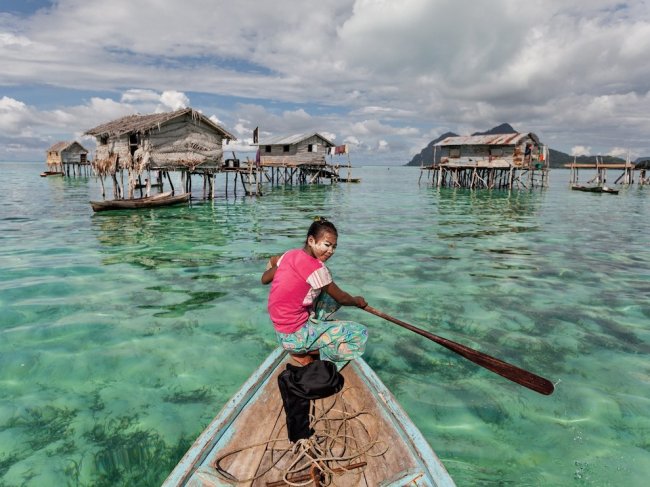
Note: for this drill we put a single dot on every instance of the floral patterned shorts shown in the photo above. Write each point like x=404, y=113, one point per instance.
x=338, y=341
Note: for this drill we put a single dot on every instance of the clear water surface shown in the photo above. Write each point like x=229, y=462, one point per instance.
x=123, y=334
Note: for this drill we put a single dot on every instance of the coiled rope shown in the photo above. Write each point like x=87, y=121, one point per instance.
x=342, y=441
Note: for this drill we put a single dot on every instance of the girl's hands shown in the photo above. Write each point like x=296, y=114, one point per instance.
x=360, y=302
x=271, y=267
x=273, y=261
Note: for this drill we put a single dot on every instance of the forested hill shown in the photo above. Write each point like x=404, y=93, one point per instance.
x=559, y=159
x=556, y=158
x=426, y=155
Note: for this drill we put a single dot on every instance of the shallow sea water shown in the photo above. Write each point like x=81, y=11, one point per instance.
x=123, y=334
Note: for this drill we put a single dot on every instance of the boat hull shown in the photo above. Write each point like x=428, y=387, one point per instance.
x=162, y=199
x=594, y=189
x=253, y=421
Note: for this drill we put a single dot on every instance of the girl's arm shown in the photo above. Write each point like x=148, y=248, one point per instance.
x=272, y=265
x=343, y=298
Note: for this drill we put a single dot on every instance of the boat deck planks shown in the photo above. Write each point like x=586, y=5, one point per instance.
x=256, y=424
x=253, y=425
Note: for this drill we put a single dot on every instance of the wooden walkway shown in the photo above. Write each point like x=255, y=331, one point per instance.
x=627, y=175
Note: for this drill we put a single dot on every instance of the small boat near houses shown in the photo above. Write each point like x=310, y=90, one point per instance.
x=362, y=438
x=161, y=199
x=348, y=180
x=594, y=189
x=45, y=174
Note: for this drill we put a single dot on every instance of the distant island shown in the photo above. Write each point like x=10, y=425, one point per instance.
x=556, y=158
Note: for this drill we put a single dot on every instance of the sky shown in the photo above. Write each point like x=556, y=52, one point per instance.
x=385, y=77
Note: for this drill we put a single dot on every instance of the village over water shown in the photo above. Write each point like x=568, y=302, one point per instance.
x=138, y=152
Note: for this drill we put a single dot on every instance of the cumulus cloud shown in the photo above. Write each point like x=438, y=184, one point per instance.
x=14, y=116
x=173, y=100
x=373, y=70
x=383, y=146
x=622, y=152
x=580, y=150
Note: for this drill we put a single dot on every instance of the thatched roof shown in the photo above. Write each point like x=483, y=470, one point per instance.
x=61, y=146
x=146, y=123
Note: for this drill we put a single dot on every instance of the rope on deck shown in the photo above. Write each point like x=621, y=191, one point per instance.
x=340, y=444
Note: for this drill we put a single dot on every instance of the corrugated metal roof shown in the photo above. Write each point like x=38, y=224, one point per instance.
x=494, y=139
x=293, y=139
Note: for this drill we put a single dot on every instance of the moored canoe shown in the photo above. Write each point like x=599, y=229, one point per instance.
x=594, y=189
x=161, y=199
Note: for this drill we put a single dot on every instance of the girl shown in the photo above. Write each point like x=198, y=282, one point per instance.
x=303, y=296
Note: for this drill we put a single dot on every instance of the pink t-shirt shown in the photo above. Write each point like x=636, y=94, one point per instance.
x=297, y=282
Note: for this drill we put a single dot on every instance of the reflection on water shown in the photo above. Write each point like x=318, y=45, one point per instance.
x=123, y=333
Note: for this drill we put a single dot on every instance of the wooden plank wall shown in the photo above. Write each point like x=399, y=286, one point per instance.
x=298, y=154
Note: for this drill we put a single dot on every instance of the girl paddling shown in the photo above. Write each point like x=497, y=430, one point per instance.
x=303, y=296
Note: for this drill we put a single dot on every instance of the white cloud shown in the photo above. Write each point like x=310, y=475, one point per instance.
x=580, y=150
x=373, y=70
x=352, y=141
x=14, y=115
x=139, y=96
x=173, y=100
x=622, y=152
x=8, y=40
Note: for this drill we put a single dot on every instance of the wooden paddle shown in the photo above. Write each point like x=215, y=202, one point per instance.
x=510, y=372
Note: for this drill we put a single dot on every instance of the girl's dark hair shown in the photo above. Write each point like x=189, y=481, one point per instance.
x=319, y=226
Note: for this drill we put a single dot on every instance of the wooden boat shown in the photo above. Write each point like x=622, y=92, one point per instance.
x=594, y=189
x=363, y=425
x=161, y=199
x=348, y=180
x=51, y=173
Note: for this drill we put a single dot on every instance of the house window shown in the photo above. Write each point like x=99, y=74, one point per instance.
x=312, y=148
x=267, y=148
x=103, y=140
x=285, y=148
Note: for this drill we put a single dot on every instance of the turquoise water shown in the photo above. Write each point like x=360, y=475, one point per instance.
x=123, y=334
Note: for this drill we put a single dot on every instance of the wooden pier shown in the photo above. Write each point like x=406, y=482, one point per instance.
x=249, y=177
x=626, y=176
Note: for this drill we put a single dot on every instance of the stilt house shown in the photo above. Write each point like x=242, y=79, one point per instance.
x=294, y=150
x=184, y=140
x=497, y=150
x=490, y=161
x=66, y=153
